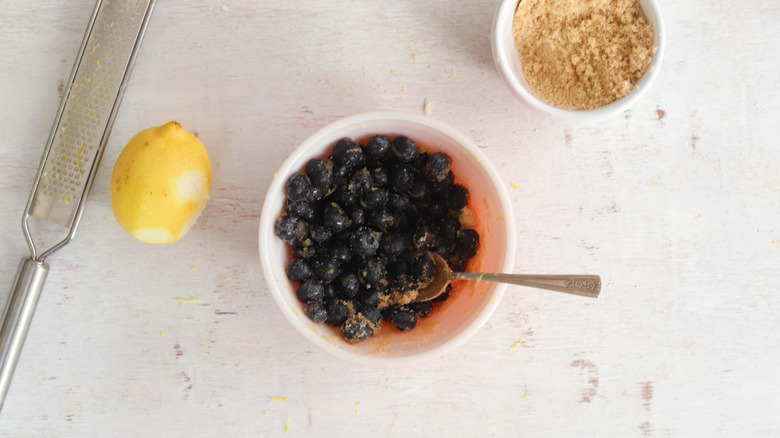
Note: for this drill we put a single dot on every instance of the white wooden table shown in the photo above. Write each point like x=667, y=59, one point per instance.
x=676, y=204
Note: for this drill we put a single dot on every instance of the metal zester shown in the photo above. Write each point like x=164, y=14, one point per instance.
x=72, y=155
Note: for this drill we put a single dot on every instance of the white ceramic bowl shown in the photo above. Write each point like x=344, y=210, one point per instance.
x=470, y=304
x=511, y=70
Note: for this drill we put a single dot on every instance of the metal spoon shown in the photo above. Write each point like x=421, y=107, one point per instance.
x=582, y=285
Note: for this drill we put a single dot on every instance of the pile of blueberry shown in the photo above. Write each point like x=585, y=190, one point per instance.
x=361, y=223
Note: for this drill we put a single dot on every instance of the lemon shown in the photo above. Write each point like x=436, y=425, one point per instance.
x=160, y=183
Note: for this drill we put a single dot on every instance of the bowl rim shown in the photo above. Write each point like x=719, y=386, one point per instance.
x=505, y=11
x=268, y=216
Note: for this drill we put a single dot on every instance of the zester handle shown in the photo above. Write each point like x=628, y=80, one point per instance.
x=18, y=314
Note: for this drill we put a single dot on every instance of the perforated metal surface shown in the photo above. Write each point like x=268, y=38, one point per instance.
x=87, y=112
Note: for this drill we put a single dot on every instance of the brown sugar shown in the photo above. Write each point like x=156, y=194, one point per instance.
x=582, y=54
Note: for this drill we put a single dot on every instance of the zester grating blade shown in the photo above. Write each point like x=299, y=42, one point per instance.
x=88, y=105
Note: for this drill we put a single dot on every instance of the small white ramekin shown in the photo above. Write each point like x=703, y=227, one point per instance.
x=509, y=67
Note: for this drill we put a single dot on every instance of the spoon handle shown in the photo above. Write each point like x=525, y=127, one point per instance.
x=582, y=285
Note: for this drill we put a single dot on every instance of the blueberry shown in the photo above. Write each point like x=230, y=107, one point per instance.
x=290, y=229
x=399, y=266
x=401, y=178
x=372, y=273
x=467, y=243
x=381, y=177
x=347, y=152
x=315, y=194
x=404, y=148
x=347, y=286
x=316, y=311
x=445, y=184
x=357, y=215
x=384, y=260
x=361, y=182
x=338, y=312
x=375, y=198
x=329, y=292
x=419, y=163
x=325, y=268
x=340, y=173
x=446, y=251
x=365, y=242
x=340, y=251
x=419, y=189
x=320, y=173
x=334, y=218
x=413, y=214
x=425, y=236
x=302, y=209
x=298, y=270
x=393, y=244
x=438, y=167
x=436, y=207
x=458, y=197
x=398, y=201
x=305, y=250
x=400, y=275
x=377, y=148
x=458, y=264
x=423, y=268
x=400, y=222
x=370, y=298
x=382, y=219
x=357, y=328
x=344, y=197
x=423, y=309
x=320, y=233
x=297, y=187
x=372, y=314
x=448, y=228
x=404, y=319
x=310, y=290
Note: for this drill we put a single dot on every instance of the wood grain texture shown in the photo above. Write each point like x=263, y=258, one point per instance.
x=676, y=204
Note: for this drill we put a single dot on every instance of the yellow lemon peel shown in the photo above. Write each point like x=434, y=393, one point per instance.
x=161, y=183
